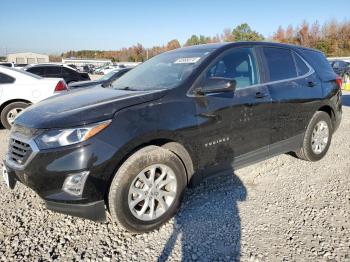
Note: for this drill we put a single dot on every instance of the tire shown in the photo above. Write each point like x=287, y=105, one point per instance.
x=127, y=178
x=20, y=106
x=307, y=152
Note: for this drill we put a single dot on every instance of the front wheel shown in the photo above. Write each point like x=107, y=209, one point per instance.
x=10, y=112
x=146, y=191
x=317, y=137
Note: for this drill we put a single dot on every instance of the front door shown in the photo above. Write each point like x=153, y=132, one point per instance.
x=233, y=124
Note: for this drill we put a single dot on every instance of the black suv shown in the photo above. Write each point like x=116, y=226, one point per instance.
x=168, y=123
x=69, y=74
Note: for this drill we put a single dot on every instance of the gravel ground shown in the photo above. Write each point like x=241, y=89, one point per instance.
x=282, y=209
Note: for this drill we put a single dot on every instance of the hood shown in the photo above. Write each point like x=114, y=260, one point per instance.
x=82, y=107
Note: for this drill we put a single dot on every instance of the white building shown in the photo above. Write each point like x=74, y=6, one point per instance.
x=344, y=58
x=82, y=61
x=27, y=58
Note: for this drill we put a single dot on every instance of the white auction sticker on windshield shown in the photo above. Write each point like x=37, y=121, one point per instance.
x=187, y=60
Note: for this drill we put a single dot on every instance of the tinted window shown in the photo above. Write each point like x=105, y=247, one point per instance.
x=6, y=64
x=53, y=71
x=6, y=79
x=36, y=70
x=320, y=64
x=302, y=68
x=237, y=64
x=67, y=72
x=280, y=63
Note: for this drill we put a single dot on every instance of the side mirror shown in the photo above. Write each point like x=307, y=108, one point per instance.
x=217, y=85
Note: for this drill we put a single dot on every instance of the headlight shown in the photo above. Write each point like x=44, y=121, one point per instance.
x=64, y=137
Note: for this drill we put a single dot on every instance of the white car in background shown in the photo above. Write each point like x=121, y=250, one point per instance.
x=19, y=89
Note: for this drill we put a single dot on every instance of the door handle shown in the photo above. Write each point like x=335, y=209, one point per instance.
x=260, y=94
x=311, y=83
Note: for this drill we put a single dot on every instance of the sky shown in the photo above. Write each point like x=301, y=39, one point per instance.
x=55, y=26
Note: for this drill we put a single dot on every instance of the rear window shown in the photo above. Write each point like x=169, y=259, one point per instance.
x=280, y=63
x=68, y=72
x=320, y=64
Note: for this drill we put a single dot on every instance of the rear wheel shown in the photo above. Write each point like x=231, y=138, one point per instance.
x=10, y=112
x=317, y=138
x=146, y=191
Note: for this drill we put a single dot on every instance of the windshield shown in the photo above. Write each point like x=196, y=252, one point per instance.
x=165, y=71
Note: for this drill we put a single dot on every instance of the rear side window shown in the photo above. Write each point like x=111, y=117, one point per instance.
x=320, y=64
x=6, y=79
x=52, y=71
x=36, y=70
x=302, y=68
x=280, y=63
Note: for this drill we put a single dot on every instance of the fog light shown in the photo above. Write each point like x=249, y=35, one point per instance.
x=74, y=183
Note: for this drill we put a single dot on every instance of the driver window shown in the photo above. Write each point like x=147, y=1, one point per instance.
x=237, y=64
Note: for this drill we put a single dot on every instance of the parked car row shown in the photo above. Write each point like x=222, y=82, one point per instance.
x=19, y=89
x=66, y=72
x=105, y=69
x=36, y=80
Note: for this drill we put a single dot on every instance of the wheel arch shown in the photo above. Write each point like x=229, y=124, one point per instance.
x=3, y=105
x=169, y=143
x=329, y=110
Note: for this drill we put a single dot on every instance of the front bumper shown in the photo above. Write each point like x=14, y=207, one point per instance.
x=48, y=169
x=94, y=211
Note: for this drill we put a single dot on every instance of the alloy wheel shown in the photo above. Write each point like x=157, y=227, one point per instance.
x=320, y=137
x=152, y=192
x=12, y=114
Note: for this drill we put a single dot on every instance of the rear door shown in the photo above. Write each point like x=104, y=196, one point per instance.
x=295, y=89
x=234, y=124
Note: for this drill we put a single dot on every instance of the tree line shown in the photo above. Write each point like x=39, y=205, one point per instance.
x=333, y=38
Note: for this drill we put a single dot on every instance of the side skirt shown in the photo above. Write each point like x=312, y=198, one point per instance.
x=261, y=154
x=281, y=147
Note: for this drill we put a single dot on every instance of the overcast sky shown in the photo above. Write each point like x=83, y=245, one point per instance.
x=54, y=26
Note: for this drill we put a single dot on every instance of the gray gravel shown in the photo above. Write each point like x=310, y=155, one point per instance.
x=282, y=209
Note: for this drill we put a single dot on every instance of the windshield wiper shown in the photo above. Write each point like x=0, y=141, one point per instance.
x=128, y=88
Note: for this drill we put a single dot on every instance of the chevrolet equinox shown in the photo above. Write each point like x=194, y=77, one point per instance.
x=133, y=148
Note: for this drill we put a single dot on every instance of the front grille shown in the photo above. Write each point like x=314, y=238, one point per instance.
x=19, y=151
